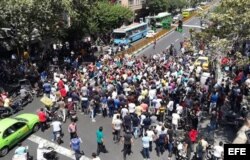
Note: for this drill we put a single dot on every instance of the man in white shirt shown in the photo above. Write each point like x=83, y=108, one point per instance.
x=218, y=151
x=124, y=111
x=170, y=107
x=179, y=109
x=204, y=144
x=117, y=125
x=131, y=107
x=151, y=136
x=175, y=119
x=56, y=127
x=145, y=145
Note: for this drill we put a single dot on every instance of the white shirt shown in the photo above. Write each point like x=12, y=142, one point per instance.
x=97, y=158
x=131, y=107
x=145, y=141
x=204, y=144
x=124, y=111
x=218, y=151
x=170, y=105
x=179, y=109
x=150, y=134
x=56, y=126
x=175, y=118
x=142, y=118
x=117, y=124
x=152, y=93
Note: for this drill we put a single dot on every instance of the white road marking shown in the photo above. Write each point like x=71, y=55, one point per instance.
x=59, y=149
x=177, y=40
x=168, y=47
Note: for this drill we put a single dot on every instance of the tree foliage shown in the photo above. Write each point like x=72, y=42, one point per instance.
x=48, y=18
x=26, y=16
x=157, y=6
x=232, y=20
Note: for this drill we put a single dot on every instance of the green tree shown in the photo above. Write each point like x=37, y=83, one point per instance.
x=97, y=18
x=176, y=4
x=232, y=20
x=157, y=6
x=29, y=18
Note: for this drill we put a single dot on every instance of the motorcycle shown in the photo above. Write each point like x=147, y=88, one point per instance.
x=209, y=153
x=15, y=107
x=232, y=119
x=53, y=114
x=4, y=113
x=180, y=153
x=51, y=154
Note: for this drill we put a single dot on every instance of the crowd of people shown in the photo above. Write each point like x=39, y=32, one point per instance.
x=155, y=98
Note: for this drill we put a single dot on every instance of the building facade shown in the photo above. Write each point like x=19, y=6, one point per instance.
x=132, y=4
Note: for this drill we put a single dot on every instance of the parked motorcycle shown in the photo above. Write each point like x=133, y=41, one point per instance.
x=233, y=120
x=47, y=153
x=15, y=107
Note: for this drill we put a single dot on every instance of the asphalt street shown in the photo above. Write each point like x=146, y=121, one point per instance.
x=87, y=129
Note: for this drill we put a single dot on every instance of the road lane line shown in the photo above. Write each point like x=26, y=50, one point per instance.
x=177, y=40
x=59, y=149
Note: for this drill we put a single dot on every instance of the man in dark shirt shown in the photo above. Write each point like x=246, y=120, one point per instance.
x=170, y=134
x=127, y=122
x=127, y=142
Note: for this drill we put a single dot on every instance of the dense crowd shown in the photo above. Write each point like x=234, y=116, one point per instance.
x=161, y=99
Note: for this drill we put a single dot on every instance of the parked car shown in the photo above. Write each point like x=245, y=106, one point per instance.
x=150, y=34
x=13, y=130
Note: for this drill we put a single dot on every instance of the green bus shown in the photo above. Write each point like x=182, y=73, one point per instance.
x=162, y=19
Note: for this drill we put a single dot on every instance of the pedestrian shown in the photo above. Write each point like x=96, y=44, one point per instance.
x=146, y=145
x=95, y=157
x=175, y=120
x=146, y=123
x=104, y=106
x=151, y=136
x=99, y=138
x=161, y=142
x=42, y=119
x=117, y=125
x=218, y=151
x=170, y=134
x=154, y=44
x=72, y=128
x=199, y=151
x=127, y=143
x=75, y=145
x=56, y=129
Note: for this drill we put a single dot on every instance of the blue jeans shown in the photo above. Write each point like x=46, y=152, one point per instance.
x=54, y=135
x=170, y=147
x=136, y=132
x=146, y=153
